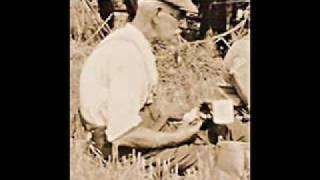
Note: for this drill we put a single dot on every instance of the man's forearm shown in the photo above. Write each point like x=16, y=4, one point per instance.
x=141, y=137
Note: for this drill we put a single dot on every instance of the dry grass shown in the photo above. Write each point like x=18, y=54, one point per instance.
x=85, y=166
x=182, y=85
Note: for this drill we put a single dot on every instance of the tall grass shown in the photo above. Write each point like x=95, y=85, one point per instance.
x=86, y=165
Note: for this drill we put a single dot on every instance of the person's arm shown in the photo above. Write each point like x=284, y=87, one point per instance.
x=140, y=137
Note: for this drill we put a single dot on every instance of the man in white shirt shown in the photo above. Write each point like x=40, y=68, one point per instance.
x=120, y=75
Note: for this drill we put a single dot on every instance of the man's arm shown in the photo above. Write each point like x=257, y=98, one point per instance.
x=141, y=137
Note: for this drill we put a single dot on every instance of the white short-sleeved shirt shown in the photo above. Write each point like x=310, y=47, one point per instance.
x=116, y=81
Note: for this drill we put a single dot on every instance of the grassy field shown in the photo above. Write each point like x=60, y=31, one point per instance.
x=184, y=83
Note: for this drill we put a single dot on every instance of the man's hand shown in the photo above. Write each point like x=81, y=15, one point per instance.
x=191, y=127
x=191, y=115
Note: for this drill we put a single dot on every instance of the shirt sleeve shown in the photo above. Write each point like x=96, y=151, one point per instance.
x=127, y=87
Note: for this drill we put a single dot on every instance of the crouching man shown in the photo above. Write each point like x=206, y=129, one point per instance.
x=120, y=76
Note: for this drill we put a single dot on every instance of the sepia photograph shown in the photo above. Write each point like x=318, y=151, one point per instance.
x=159, y=89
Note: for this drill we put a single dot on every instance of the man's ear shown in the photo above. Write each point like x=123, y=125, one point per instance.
x=156, y=18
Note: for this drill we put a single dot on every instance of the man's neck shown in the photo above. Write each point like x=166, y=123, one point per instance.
x=145, y=29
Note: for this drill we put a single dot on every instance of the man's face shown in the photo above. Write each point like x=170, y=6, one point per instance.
x=166, y=24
